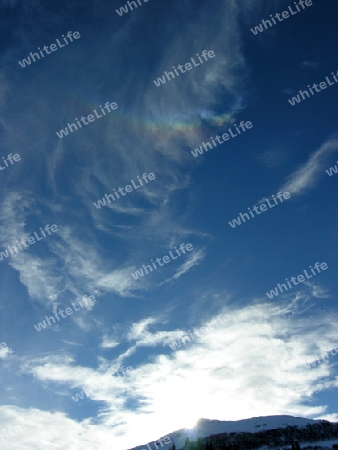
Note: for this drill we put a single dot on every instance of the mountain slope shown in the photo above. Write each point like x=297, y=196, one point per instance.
x=206, y=428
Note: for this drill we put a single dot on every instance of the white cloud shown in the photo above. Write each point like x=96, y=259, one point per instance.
x=223, y=365
x=23, y=429
x=36, y=273
x=194, y=259
x=330, y=417
x=72, y=343
x=259, y=346
x=140, y=333
x=4, y=350
x=306, y=176
x=108, y=342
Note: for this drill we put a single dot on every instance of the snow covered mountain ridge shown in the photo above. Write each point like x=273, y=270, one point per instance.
x=205, y=428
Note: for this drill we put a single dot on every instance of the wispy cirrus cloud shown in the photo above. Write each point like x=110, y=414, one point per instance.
x=194, y=259
x=307, y=175
x=148, y=136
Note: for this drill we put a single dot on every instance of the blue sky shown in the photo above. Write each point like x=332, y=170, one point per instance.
x=252, y=363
